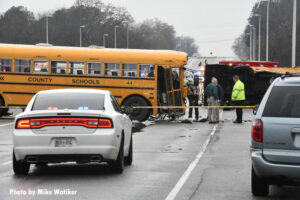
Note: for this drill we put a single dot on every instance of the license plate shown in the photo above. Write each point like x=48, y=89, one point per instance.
x=63, y=142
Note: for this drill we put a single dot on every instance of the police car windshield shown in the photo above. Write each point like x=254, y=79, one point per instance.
x=72, y=101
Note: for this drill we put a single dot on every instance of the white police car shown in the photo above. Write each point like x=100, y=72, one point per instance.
x=64, y=125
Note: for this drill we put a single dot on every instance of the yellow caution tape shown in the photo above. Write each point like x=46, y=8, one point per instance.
x=158, y=107
x=166, y=107
x=13, y=107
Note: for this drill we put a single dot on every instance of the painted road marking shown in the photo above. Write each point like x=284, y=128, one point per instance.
x=6, y=163
x=172, y=195
x=6, y=124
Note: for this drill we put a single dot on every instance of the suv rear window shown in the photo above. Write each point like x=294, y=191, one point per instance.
x=284, y=101
x=74, y=101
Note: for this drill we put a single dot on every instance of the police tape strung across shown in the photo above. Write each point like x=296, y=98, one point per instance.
x=162, y=107
x=229, y=107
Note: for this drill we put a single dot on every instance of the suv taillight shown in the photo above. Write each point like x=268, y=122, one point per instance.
x=257, y=130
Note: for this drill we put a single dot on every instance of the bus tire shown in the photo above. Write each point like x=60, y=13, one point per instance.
x=3, y=111
x=138, y=114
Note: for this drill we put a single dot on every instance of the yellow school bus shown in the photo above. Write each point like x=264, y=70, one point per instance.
x=135, y=77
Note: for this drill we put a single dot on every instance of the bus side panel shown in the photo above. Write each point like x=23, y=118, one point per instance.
x=18, y=89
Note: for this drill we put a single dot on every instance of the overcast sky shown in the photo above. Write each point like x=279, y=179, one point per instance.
x=213, y=23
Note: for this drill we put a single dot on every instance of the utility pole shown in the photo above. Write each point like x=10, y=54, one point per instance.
x=249, y=34
x=47, y=27
x=47, y=41
x=127, y=36
x=254, y=43
x=104, y=37
x=259, y=35
x=80, y=42
x=267, y=37
x=294, y=34
x=251, y=43
x=116, y=36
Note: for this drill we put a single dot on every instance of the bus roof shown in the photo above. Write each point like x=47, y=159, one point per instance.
x=281, y=70
x=158, y=57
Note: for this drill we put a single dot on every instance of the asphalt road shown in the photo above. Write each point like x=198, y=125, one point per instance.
x=172, y=160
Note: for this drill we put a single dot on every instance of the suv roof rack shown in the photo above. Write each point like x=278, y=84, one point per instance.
x=288, y=74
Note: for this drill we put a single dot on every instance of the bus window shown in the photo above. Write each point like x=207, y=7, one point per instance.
x=22, y=65
x=76, y=68
x=147, y=70
x=94, y=68
x=40, y=66
x=5, y=65
x=58, y=67
x=112, y=69
x=129, y=70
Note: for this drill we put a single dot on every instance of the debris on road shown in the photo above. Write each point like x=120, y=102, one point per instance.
x=186, y=121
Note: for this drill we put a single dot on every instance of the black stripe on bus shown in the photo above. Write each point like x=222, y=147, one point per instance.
x=78, y=76
x=21, y=105
x=27, y=93
x=88, y=86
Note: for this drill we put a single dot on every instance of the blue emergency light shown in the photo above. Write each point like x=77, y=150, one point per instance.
x=83, y=108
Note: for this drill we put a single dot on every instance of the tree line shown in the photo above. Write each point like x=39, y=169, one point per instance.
x=280, y=32
x=18, y=25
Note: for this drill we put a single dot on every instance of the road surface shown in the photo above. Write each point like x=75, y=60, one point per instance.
x=172, y=160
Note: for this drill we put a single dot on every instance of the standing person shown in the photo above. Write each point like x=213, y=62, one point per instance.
x=193, y=96
x=151, y=73
x=238, y=98
x=211, y=94
x=220, y=99
x=271, y=80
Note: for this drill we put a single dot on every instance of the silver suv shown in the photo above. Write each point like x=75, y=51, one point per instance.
x=275, y=149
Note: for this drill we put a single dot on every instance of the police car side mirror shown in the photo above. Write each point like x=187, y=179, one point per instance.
x=128, y=110
x=255, y=110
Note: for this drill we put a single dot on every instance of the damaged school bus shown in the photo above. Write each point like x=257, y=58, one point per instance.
x=137, y=78
x=256, y=79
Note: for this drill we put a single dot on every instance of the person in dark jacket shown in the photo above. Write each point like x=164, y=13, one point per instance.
x=211, y=94
x=220, y=100
x=151, y=73
x=193, y=96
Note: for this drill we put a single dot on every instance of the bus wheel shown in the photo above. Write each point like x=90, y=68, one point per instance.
x=3, y=111
x=140, y=114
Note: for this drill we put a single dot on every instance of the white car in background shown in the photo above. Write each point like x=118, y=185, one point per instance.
x=81, y=125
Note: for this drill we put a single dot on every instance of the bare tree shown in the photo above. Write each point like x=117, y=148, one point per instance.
x=18, y=25
x=186, y=44
x=280, y=32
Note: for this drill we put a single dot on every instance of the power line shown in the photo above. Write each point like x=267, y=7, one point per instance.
x=216, y=41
